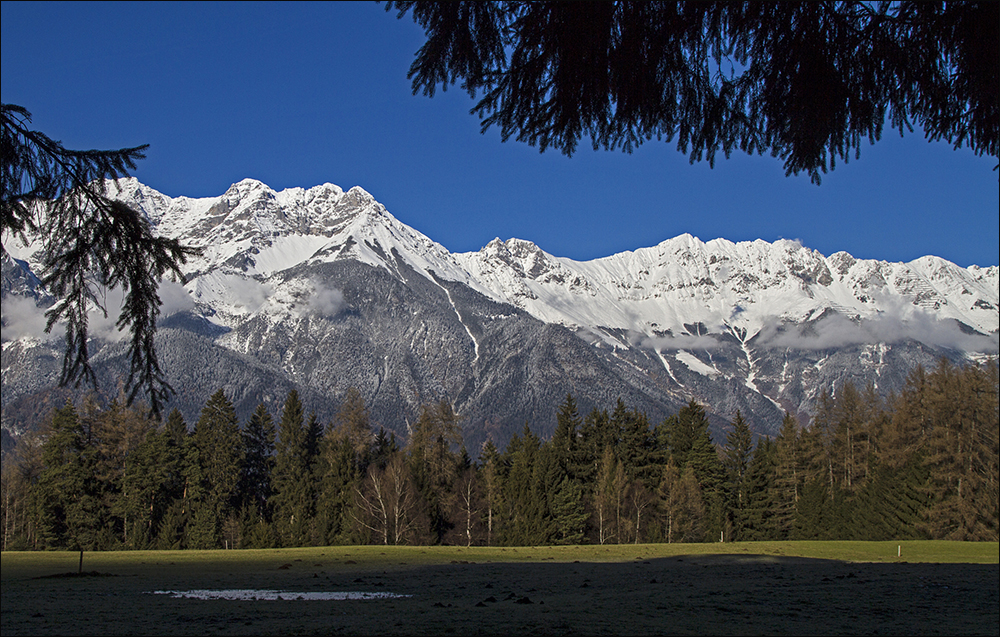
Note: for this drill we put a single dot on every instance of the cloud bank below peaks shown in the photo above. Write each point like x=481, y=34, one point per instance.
x=835, y=330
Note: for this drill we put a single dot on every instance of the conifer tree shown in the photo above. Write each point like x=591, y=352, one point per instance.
x=678, y=432
x=758, y=519
x=804, y=81
x=291, y=483
x=434, y=461
x=20, y=471
x=812, y=518
x=569, y=514
x=175, y=427
x=611, y=491
x=146, y=494
x=215, y=459
x=566, y=438
x=890, y=505
x=346, y=450
x=787, y=476
x=962, y=452
x=171, y=529
x=681, y=505
x=116, y=434
x=637, y=448
x=736, y=462
x=703, y=459
x=65, y=493
x=255, y=479
x=490, y=478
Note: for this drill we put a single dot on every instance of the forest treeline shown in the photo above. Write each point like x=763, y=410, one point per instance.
x=920, y=464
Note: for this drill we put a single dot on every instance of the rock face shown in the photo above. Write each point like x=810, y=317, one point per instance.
x=323, y=290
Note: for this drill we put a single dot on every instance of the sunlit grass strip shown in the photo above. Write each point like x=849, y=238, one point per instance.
x=35, y=564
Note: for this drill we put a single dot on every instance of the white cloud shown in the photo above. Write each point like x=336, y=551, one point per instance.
x=175, y=298
x=898, y=323
x=324, y=301
x=249, y=294
x=22, y=319
x=101, y=326
x=681, y=341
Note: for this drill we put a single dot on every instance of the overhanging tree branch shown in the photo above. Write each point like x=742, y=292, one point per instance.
x=803, y=81
x=90, y=243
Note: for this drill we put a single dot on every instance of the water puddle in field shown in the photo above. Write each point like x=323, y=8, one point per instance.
x=254, y=594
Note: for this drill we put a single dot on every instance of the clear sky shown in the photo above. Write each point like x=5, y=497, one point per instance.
x=299, y=94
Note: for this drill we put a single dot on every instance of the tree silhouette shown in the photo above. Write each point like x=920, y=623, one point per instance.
x=803, y=81
x=90, y=243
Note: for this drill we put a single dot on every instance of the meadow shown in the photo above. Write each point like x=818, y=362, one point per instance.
x=800, y=588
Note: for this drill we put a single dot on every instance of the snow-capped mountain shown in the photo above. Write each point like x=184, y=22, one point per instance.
x=323, y=289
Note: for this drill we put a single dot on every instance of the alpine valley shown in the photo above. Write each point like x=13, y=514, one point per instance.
x=322, y=290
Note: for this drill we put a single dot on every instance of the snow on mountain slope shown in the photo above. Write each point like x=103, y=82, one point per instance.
x=658, y=293
x=325, y=289
x=677, y=295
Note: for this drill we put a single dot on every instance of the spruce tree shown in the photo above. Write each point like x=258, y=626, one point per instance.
x=255, y=479
x=758, y=520
x=787, y=476
x=346, y=450
x=566, y=438
x=812, y=520
x=65, y=490
x=703, y=460
x=569, y=514
x=177, y=438
x=523, y=510
x=491, y=480
x=434, y=461
x=146, y=489
x=736, y=462
x=808, y=82
x=291, y=483
x=215, y=459
x=637, y=447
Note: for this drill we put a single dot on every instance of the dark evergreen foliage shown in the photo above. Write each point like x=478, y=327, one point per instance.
x=736, y=462
x=215, y=456
x=293, y=497
x=258, y=467
x=804, y=81
x=924, y=465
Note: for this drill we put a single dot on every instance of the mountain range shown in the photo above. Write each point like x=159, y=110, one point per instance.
x=322, y=290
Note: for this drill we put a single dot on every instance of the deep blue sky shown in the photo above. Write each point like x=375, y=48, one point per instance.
x=298, y=94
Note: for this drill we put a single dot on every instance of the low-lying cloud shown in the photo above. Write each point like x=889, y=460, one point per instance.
x=324, y=301
x=249, y=294
x=681, y=341
x=174, y=298
x=836, y=331
x=22, y=318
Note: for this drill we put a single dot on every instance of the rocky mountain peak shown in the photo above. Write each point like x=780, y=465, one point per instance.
x=323, y=289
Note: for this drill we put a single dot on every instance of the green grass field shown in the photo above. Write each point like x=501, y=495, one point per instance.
x=781, y=588
x=34, y=564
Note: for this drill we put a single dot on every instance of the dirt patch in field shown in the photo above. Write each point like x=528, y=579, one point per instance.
x=717, y=595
